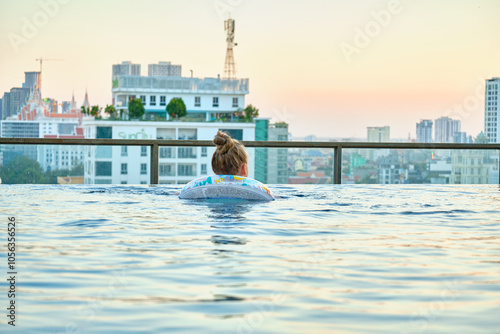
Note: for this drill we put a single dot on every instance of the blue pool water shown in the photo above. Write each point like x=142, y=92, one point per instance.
x=323, y=259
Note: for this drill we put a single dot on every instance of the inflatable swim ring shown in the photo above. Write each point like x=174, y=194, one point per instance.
x=226, y=186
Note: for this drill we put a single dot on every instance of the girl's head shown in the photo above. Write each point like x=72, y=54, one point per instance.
x=230, y=156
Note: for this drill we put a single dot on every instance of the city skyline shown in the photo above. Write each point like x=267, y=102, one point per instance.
x=343, y=68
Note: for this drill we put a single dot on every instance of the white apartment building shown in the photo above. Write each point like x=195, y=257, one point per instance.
x=206, y=99
x=177, y=165
x=492, y=111
x=424, y=131
x=445, y=129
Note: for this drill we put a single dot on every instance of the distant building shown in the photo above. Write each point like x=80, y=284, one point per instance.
x=127, y=68
x=35, y=120
x=445, y=129
x=376, y=135
x=16, y=98
x=5, y=105
x=271, y=164
x=31, y=79
x=14, y=101
x=492, y=110
x=462, y=138
x=474, y=167
x=379, y=134
x=424, y=131
x=1, y=110
x=164, y=69
x=390, y=169
x=66, y=107
x=177, y=165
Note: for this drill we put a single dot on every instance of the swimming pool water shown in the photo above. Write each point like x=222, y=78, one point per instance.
x=322, y=259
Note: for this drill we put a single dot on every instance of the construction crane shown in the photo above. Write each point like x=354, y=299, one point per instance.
x=229, y=65
x=41, y=60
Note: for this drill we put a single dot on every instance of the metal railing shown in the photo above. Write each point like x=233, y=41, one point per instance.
x=336, y=146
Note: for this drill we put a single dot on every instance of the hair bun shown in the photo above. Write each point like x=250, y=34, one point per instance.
x=223, y=141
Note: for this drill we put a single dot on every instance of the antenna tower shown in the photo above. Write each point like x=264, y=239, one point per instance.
x=229, y=65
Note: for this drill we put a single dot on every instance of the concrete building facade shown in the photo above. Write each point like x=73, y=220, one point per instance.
x=445, y=129
x=164, y=69
x=177, y=165
x=424, y=131
x=492, y=110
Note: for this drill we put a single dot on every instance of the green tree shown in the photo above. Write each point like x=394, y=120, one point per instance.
x=250, y=113
x=176, y=108
x=95, y=111
x=22, y=170
x=111, y=110
x=135, y=109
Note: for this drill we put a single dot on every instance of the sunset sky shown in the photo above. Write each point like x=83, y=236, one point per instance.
x=327, y=67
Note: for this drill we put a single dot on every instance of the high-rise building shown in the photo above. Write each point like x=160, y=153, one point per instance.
x=18, y=98
x=164, y=69
x=35, y=120
x=492, y=111
x=127, y=68
x=30, y=79
x=462, y=138
x=445, y=129
x=271, y=164
x=424, y=131
x=5, y=105
x=379, y=134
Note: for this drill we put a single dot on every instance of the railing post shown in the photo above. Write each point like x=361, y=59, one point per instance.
x=154, y=163
x=337, y=165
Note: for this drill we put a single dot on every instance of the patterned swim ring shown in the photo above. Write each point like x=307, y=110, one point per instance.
x=226, y=187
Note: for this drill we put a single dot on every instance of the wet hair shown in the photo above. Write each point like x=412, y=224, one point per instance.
x=229, y=155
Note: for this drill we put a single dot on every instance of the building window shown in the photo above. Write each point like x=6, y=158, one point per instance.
x=163, y=100
x=102, y=168
x=186, y=170
x=144, y=182
x=167, y=152
x=143, y=99
x=234, y=133
x=215, y=102
x=124, y=182
x=197, y=101
x=203, y=169
x=124, y=151
x=203, y=151
x=166, y=170
x=186, y=153
x=144, y=169
x=144, y=151
x=124, y=169
x=152, y=100
x=235, y=102
x=104, y=132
